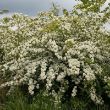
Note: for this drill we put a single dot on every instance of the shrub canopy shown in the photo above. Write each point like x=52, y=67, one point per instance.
x=67, y=55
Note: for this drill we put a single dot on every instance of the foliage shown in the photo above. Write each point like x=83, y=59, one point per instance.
x=66, y=56
x=91, y=5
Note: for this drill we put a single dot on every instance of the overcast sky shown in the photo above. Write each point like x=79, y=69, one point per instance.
x=31, y=7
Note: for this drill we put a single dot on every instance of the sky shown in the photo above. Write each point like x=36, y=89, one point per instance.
x=31, y=7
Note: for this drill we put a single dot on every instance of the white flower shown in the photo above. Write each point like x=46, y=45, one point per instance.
x=67, y=26
x=89, y=74
x=74, y=91
x=94, y=97
x=31, y=89
x=74, y=65
x=14, y=28
x=52, y=45
x=73, y=62
x=61, y=76
x=43, y=69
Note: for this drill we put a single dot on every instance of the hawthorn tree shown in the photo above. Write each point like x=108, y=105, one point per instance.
x=67, y=56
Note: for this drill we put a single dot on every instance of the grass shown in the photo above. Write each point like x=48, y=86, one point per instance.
x=19, y=101
x=3, y=92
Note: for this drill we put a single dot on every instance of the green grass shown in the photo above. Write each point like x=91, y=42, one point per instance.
x=19, y=101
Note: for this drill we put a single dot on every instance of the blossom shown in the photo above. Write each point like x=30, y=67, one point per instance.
x=14, y=28
x=94, y=97
x=89, y=74
x=74, y=91
x=59, y=57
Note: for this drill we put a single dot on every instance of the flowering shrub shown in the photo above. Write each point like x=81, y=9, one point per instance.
x=64, y=55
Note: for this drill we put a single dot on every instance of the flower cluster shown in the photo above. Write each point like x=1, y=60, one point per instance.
x=59, y=53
